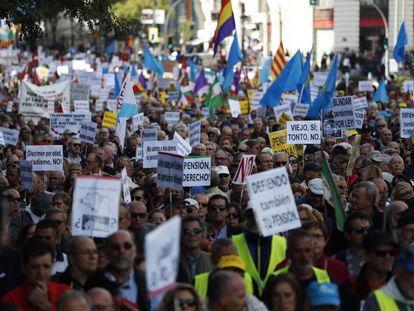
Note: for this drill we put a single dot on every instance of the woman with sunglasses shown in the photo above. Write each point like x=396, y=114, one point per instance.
x=296, y=172
x=182, y=298
x=233, y=217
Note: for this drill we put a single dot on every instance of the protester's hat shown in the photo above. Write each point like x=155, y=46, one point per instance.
x=388, y=177
x=339, y=150
x=406, y=218
x=382, y=158
x=69, y=132
x=316, y=186
x=191, y=202
x=41, y=202
x=350, y=133
x=402, y=191
x=221, y=169
x=216, y=191
x=406, y=259
x=366, y=128
x=311, y=166
x=323, y=294
x=402, y=105
x=231, y=261
x=376, y=238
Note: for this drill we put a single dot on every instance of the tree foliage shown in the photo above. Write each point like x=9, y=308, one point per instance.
x=130, y=10
x=97, y=14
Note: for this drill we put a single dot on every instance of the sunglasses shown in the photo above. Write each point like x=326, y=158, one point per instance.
x=330, y=143
x=379, y=253
x=76, y=145
x=233, y=216
x=360, y=230
x=194, y=231
x=117, y=247
x=293, y=162
x=186, y=303
x=280, y=164
x=140, y=215
x=217, y=208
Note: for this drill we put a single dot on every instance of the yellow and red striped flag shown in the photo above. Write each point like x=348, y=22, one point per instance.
x=278, y=62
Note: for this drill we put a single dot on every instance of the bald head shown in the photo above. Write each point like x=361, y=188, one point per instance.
x=101, y=299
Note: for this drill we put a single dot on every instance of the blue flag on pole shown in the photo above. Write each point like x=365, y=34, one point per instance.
x=303, y=84
x=402, y=41
x=381, y=93
x=117, y=87
x=264, y=73
x=287, y=81
x=110, y=49
x=235, y=56
x=323, y=101
x=151, y=63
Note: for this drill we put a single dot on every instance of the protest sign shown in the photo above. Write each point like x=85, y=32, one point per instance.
x=9, y=106
x=280, y=109
x=194, y=133
x=26, y=174
x=137, y=122
x=197, y=171
x=244, y=169
x=234, y=108
x=406, y=122
x=407, y=86
x=278, y=143
x=59, y=122
x=328, y=124
x=10, y=136
x=343, y=112
x=51, y=107
x=2, y=142
x=261, y=112
x=138, y=153
x=272, y=201
x=111, y=105
x=149, y=134
x=95, y=206
x=170, y=171
x=183, y=146
x=87, y=132
x=99, y=104
x=255, y=99
x=359, y=118
x=173, y=96
x=34, y=99
x=109, y=119
x=81, y=106
x=300, y=110
x=79, y=92
x=104, y=93
x=162, y=252
x=244, y=107
x=365, y=86
x=125, y=187
x=151, y=149
x=303, y=132
x=319, y=78
x=45, y=158
x=359, y=102
x=172, y=117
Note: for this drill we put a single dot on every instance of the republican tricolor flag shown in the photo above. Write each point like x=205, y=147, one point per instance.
x=225, y=24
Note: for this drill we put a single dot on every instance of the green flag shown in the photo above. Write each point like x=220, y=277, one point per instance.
x=214, y=97
x=339, y=211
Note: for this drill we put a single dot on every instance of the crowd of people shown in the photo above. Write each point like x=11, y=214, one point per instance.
x=225, y=262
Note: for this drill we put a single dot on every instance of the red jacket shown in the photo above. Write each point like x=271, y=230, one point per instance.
x=337, y=270
x=18, y=296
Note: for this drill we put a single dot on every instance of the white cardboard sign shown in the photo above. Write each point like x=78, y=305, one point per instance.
x=81, y=106
x=359, y=102
x=45, y=158
x=149, y=134
x=10, y=136
x=365, y=86
x=26, y=174
x=343, y=113
x=303, y=132
x=88, y=132
x=234, y=108
x=151, y=149
x=59, y=122
x=125, y=188
x=95, y=206
x=183, y=146
x=162, y=253
x=406, y=122
x=197, y=171
x=194, y=133
x=244, y=169
x=272, y=200
x=359, y=118
x=300, y=110
x=172, y=117
x=170, y=171
x=280, y=109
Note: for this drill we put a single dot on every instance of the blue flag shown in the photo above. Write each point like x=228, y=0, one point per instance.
x=134, y=72
x=193, y=70
x=264, y=73
x=287, y=81
x=117, y=87
x=303, y=84
x=235, y=56
x=381, y=93
x=402, y=40
x=151, y=63
x=323, y=101
x=110, y=49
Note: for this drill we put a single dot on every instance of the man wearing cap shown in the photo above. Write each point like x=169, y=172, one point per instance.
x=192, y=206
x=379, y=250
x=322, y=297
x=382, y=161
x=224, y=179
x=398, y=294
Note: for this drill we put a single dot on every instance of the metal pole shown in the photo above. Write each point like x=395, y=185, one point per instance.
x=386, y=53
x=176, y=3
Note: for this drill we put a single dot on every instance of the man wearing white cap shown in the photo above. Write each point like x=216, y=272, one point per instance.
x=224, y=179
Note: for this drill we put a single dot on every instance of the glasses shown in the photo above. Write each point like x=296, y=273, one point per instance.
x=360, y=230
x=217, y=208
x=137, y=198
x=87, y=252
x=194, y=231
x=379, y=253
x=76, y=145
x=186, y=303
x=233, y=216
x=140, y=215
x=330, y=143
x=117, y=246
x=293, y=162
x=280, y=164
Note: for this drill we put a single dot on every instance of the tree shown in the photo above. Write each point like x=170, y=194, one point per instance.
x=130, y=10
x=97, y=14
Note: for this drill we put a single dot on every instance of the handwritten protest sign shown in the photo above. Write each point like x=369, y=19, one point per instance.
x=95, y=206
x=10, y=136
x=81, y=106
x=170, y=171
x=244, y=169
x=343, y=112
x=151, y=149
x=272, y=201
x=183, y=146
x=45, y=158
x=303, y=132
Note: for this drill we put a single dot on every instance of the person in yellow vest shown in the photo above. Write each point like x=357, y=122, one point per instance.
x=300, y=254
x=398, y=294
x=261, y=254
x=224, y=256
x=322, y=297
